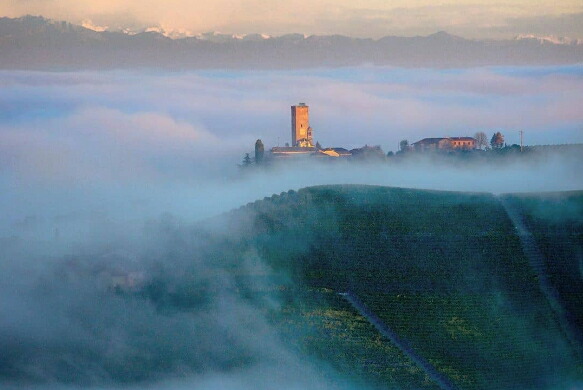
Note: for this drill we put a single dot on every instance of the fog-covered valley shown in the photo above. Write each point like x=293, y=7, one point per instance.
x=122, y=174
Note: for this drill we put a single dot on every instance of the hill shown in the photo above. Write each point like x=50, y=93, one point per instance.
x=37, y=43
x=447, y=272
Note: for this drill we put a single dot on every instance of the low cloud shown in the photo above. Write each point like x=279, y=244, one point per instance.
x=67, y=324
x=158, y=142
x=102, y=143
x=385, y=104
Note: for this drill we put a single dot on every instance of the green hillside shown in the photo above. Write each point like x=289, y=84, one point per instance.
x=445, y=271
x=469, y=290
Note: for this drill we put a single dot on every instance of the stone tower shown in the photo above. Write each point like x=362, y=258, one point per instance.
x=301, y=130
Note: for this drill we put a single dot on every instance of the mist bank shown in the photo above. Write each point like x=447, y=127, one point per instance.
x=79, y=150
x=38, y=43
x=220, y=114
x=73, y=211
x=153, y=306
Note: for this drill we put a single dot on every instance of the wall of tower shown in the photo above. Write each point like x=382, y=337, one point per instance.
x=300, y=124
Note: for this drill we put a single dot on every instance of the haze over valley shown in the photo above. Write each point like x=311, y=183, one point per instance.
x=143, y=247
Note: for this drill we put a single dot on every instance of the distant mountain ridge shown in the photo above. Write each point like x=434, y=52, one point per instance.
x=33, y=42
x=551, y=39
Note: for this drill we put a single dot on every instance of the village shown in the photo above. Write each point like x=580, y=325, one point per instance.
x=302, y=145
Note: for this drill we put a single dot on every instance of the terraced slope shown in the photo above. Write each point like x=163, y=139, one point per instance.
x=446, y=271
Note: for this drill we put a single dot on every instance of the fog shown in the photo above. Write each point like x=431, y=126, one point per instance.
x=133, y=145
x=106, y=172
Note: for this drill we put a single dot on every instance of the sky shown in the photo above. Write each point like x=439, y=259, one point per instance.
x=365, y=18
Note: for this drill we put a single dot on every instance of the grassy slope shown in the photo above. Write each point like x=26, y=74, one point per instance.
x=444, y=270
x=556, y=222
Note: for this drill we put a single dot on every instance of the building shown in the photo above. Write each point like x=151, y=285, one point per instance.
x=301, y=135
x=292, y=151
x=335, y=152
x=301, y=131
x=427, y=144
x=466, y=143
x=447, y=143
x=302, y=145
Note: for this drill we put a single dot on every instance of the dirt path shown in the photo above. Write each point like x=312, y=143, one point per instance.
x=538, y=263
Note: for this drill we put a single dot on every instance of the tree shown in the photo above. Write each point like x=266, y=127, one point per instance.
x=481, y=140
x=246, y=160
x=404, y=145
x=497, y=140
x=318, y=146
x=368, y=153
x=259, y=151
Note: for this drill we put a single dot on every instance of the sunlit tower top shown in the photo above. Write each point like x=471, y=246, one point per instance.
x=301, y=130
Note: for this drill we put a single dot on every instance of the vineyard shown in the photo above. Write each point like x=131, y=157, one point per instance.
x=445, y=271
